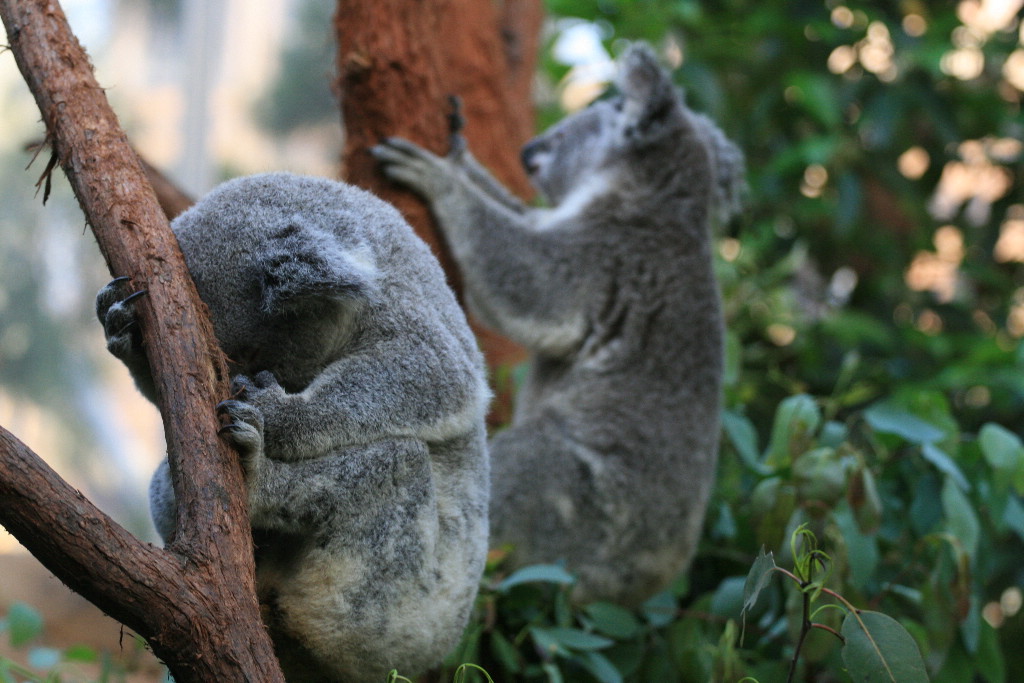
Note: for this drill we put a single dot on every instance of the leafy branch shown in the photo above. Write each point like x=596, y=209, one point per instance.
x=875, y=646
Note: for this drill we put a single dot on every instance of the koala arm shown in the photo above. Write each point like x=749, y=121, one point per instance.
x=392, y=389
x=324, y=492
x=519, y=280
x=477, y=175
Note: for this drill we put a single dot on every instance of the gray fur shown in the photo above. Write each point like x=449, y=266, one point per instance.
x=359, y=415
x=611, y=455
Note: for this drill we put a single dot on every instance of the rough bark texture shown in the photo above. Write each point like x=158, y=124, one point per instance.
x=400, y=60
x=195, y=602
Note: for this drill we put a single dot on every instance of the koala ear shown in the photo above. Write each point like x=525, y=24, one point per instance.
x=647, y=90
x=730, y=187
x=299, y=270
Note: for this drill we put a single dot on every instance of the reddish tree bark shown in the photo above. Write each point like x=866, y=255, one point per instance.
x=400, y=60
x=194, y=602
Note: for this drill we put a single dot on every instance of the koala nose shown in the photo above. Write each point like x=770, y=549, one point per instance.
x=529, y=156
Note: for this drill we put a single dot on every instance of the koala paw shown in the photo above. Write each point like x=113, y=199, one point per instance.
x=262, y=389
x=409, y=164
x=242, y=427
x=116, y=312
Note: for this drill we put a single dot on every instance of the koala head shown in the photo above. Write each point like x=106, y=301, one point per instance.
x=280, y=263
x=597, y=137
x=646, y=119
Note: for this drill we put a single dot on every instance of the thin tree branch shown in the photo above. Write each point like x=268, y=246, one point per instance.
x=207, y=578
x=173, y=200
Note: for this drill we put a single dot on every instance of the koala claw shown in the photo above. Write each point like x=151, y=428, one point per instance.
x=409, y=164
x=243, y=429
x=108, y=296
x=457, y=145
x=116, y=313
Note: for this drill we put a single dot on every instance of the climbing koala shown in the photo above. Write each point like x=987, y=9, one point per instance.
x=358, y=412
x=610, y=458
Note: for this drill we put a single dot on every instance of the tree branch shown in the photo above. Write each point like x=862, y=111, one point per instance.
x=173, y=200
x=195, y=603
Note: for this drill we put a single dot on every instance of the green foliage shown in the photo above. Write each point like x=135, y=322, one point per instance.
x=864, y=409
x=24, y=627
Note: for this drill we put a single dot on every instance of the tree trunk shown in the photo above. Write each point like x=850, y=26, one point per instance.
x=398, y=63
x=195, y=602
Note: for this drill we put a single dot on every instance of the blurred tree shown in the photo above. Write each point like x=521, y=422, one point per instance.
x=301, y=94
x=398, y=63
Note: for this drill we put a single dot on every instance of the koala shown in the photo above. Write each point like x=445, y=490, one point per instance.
x=611, y=455
x=359, y=398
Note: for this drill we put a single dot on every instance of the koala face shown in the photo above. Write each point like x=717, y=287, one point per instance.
x=284, y=291
x=559, y=160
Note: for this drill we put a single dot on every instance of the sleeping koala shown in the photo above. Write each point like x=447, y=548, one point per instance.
x=610, y=458
x=359, y=410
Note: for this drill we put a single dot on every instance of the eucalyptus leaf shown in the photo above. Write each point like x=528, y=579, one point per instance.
x=889, y=418
x=796, y=421
x=660, y=609
x=945, y=464
x=612, y=620
x=24, y=623
x=1004, y=453
x=600, y=667
x=757, y=578
x=878, y=649
x=571, y=638
x=961, y=519
x=537, y=573
x=743, y=437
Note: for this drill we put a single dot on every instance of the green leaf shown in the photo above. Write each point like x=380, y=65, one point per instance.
x=571, y=638
x=888, y=418
x=970, y=627
x=612, y=620
x=990, y=660
x=627, y=656
x=743, y=437
x=599, y=666
x=818, y=96
x=945, y=464
x=728, y=598
x=547, y=643
x=1004, y=453
x=660, y=609
x=961, y=518
x=861, y=549
x=505, y=652
x=24, y=623
x=553, y=673
x=796, y=420
x=820, y=474
x=537, y=573
x=757, y=578
x=1013, y=517
x=879, y=649
x=80, y=653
